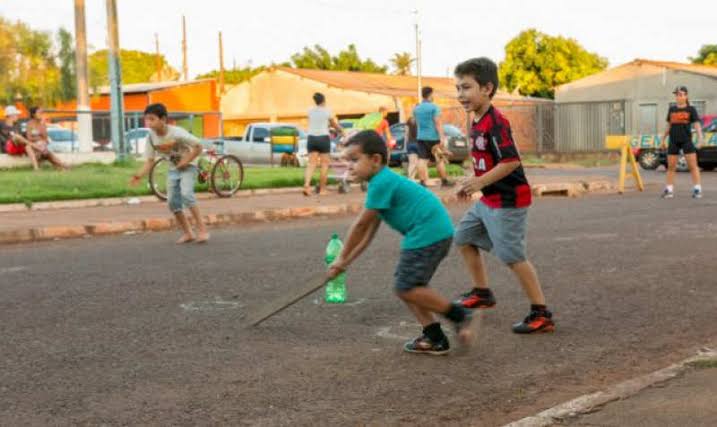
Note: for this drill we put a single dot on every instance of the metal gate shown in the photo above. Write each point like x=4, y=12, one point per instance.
x=582, y=127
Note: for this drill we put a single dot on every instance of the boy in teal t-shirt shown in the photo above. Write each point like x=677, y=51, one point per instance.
x=427, y=232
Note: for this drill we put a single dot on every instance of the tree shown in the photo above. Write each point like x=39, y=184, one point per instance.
x=233, y=76
x=536, y=62
x=707, y=55
x=402, y=63
x=66, y=56
x=346, y=60
x=313, y=58
x=27, y=65
x=137, y=67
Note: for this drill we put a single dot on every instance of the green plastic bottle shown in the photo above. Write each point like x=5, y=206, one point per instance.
x=336, y=288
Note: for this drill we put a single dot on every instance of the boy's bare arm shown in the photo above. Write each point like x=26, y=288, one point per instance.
x=16, y=137
x=189, y=157
x=360, y=236
x=700, y=136
x=335, y=124
x=663, y=143
x=439, y=128
x=474, y=184
x=136, y=178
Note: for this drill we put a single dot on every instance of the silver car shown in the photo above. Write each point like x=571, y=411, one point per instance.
x=62, y=140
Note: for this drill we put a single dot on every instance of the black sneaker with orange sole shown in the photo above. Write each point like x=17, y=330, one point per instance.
x=424, y=345
x=475, y=299
x=536, y=321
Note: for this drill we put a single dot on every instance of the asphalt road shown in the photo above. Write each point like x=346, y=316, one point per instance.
x=134, y=330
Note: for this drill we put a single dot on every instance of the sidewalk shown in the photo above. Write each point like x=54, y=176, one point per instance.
x=689, y=400
x=20, y=224
x=680, y=395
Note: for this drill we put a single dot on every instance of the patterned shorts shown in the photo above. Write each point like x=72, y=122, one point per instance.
x=416, y=266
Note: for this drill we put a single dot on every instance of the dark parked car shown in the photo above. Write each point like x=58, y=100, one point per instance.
x=457, y=144
x=652, y=158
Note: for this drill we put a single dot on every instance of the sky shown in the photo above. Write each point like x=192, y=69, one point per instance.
x=261, y=32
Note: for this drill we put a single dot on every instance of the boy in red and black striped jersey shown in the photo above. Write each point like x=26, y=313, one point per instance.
x=497, y=222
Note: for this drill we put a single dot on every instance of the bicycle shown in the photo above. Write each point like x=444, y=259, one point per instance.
x=225, y=174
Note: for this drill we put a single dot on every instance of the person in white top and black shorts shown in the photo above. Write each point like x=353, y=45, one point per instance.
x=318, y=143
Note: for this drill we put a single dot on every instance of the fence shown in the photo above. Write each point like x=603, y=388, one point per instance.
x=538, y=126
x=63, y=125
x=582, y=127
x=532, y=123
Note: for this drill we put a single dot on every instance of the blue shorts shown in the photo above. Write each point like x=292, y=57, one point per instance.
x=501, y=231
x=416, y=266
x=412, y=148
x=180, y=188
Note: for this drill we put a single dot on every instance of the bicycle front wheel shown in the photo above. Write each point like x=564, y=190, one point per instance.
x=227, y=176
x=158, y=178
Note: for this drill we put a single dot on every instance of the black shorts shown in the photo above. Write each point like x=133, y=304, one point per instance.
x=318, y=144
x=425, y=149
x=687, y=147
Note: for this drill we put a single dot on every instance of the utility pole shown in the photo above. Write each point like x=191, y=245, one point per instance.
x=158, y=59
x=116, y=99
x=185, y=71
x=84, y=115
x=221, y=64
x=418, y=56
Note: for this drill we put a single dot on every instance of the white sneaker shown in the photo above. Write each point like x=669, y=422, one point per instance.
x=667, y=194
x=696, y=193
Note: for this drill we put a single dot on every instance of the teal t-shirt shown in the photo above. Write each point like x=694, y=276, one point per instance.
x=408, y=208
x=425, y=113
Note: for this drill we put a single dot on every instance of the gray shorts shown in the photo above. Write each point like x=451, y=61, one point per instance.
x=501, y=231
x=416, y=266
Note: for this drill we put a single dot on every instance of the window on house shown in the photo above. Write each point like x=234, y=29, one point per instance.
x=699, y=106
x=648, y=119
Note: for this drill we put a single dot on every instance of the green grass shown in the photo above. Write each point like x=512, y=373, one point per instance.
x=532, y=159
x=97, y=180
x=585, y=160
x=705, y=364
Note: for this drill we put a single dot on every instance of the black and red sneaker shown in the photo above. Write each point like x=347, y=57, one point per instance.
x=536, y=321
x=477, y=298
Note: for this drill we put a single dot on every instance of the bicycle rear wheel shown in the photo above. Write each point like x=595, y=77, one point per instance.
x=227, y=176
x=158, y=178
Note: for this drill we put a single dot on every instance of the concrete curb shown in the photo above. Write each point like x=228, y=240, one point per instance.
x=574, y=189
x=118, y=201
x=164, y=223
x=589, y=402
x=235, y=218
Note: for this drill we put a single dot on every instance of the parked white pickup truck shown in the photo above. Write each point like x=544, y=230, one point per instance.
x=254, y=147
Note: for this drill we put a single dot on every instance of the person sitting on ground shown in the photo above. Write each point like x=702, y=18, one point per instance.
x=15, y=144
x=11, y=140
x=36, y=133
